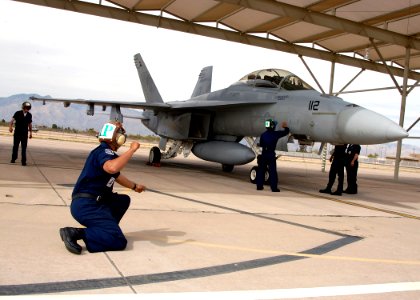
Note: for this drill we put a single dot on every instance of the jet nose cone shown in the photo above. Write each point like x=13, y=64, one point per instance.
x=357, y=125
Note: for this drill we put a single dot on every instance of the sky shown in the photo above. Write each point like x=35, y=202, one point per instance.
x=70, y=55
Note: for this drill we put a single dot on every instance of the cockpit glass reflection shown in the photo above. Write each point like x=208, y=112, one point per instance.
x=276, y=78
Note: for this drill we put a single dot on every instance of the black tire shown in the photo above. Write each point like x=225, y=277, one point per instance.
x=154, y=155
x=266, y=177
x=253, y=175
x=227, y=168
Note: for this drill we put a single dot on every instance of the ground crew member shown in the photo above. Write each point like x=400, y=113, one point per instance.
x=352, y=165
x=338, y=160
x=94, y=204
x=23, y=124
x=267, y=159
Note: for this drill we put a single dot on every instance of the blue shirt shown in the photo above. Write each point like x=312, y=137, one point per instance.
x=93, y=179
x=268, y=141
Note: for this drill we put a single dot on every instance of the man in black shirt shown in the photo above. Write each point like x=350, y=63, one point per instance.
x=23, y=124
x=352, y=165
x=337, y=160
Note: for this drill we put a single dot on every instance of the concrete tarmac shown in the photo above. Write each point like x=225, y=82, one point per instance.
x=199, y=233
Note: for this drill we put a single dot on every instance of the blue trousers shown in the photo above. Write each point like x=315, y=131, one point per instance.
x=264, y=162
x=101, y=220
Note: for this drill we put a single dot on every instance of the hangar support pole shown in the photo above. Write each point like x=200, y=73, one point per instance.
x=402, y=111
x=332, y=74
x=412, y=86
x=353, y=79
x=414, y=124
x=312, y=74
x=324, y=145
x=387, y=67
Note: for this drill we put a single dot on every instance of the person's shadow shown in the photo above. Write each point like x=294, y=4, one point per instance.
x=160, y=237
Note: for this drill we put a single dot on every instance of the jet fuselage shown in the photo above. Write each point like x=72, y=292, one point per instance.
x=310, y=115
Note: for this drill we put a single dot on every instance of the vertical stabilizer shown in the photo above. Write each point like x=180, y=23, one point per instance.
x=150, y=90
x=203, y=85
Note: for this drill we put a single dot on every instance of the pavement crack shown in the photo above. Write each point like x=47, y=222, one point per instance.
x=46, y=179
x=120, y=273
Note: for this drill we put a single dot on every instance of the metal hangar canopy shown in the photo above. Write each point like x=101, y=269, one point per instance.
x=378, y=35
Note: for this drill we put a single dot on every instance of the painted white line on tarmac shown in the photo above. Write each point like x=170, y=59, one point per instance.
x=291, y=293
x=314, y=292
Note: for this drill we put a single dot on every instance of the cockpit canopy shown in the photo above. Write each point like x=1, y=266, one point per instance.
x=275, y=78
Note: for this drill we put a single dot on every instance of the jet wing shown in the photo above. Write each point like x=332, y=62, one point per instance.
x=159, y=106
x=213, y=104
x=129, y=104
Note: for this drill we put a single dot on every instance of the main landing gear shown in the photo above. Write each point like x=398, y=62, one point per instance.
x=154, y=157
x=173, y=149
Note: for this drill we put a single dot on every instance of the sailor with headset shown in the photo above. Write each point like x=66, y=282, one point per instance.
x=94, y=204
x=267, y=159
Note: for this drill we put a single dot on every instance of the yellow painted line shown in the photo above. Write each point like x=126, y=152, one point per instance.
x=277, y=252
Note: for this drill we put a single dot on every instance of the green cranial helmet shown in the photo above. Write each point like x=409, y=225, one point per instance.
x=270, y=124
x=113, y=133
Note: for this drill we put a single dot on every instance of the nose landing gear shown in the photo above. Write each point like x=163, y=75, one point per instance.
x=253, y=175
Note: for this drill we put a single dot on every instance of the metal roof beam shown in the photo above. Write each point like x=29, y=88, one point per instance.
x=375, y=21
x=384, y=63
x=313, y=17
x=227, y=35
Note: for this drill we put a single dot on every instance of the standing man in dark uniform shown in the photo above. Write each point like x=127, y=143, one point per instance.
x=94, y=204
x=268, y=142
x=352, y=165
x=23, y=124
x=338, y=160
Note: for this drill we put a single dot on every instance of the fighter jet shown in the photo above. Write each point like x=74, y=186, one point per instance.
x=212, y=124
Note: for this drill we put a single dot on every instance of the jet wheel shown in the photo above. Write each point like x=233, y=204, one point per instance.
x=253, y=175
x=154, y=156
x=227, y=168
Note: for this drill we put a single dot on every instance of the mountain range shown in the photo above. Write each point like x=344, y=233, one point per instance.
x=75, y=117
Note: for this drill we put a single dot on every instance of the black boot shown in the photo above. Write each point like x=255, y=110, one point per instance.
x=70, y=235
x=327, y=190
x=339, y=190
x=351, y=190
